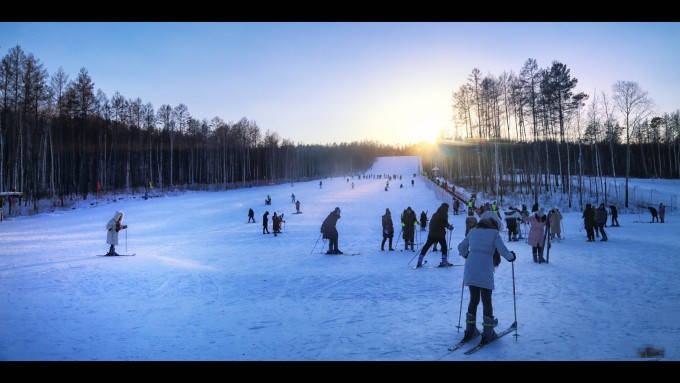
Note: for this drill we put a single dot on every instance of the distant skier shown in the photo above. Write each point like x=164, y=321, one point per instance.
x=601, y=220
x=251, y=215
x=413, y=183
x=408, y=223
x=589, y=222
x=320, y=183
x=478, y=249
x=537, y=224
x=268, y=201
x=511, y=218
x=330, y=232
x=292, y=198
x=555, y=223
x=470, y=221
x=437, y=233
x=276, y=225
x=662, y=212
x=401, y=186
x=265, y=221
x=112, y=228
x=456, y=206
x=615, y=215
x=352, y=185
x=423, y=221
x=297, y=206
x=387, y=229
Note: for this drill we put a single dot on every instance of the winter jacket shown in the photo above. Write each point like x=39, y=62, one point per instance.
x=265, y=219
x=589, y=216
x=511, y=220
x=439, y=222
x=387, y=225
x=113, y=227
x=536, y=230
x=408, y=222
x=251, y=213
x=423, y=219
x=555, y=220
x=662, y=210
x=328, y=226
x=478, y=248
x=601, y=216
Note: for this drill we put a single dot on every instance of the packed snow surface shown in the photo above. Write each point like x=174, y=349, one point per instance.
x=206, y=285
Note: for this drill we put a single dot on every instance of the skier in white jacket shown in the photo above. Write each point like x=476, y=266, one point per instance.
x=112, y=228
x=478, y=249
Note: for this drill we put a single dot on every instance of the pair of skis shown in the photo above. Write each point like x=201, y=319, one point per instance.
x=425, y=262
x=117, y=255
x=481, y=345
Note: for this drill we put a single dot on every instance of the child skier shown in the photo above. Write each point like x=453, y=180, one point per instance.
x=478, y=249
x=112, y=228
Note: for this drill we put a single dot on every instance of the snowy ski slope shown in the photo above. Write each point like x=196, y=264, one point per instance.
x=207, y=286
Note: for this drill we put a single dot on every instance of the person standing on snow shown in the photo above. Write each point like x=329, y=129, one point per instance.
x=292, y=197
x=456, y=206
x=423, y=221
x=555, y=223
x=589, y=222
x=265, y=221
x=478, y=249
x=112, y=228
x=408, y=223
x=615, y=215
x=251, y=215
x=276, y=225
x=601, y=220
x=387, y=229
x=330, y=232
x=511, y=217
x=662, y=211
x=537, y=224
x=297, y=206
x=439, y=222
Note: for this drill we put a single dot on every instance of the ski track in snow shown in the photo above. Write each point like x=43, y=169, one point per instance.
x=205, y=285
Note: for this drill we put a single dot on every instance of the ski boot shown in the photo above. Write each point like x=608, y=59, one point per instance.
x=444, y=263
x=111, y=251
x=488, y=333
x=338, y=252
x=391, y=249
x=471, y=330
x=330, y=252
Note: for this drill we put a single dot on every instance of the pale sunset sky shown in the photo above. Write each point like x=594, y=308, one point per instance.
x=340, y=82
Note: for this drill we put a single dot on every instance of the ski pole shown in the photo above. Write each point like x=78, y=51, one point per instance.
x=514, y=299
x=316, y=243
x=398, y=237
x=126, y=241
x=460, y=311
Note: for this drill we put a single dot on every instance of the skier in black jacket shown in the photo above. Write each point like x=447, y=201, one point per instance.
x=388, y=229
x=251, y=215
x=265, y=220
x=437, y=234
x=330, y=232
x=408, y=223
x=423, y=221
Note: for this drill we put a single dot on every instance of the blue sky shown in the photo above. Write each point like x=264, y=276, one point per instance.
x=326, y=82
